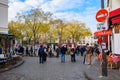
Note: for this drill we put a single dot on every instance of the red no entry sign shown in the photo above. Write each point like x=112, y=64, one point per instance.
x=101, y=15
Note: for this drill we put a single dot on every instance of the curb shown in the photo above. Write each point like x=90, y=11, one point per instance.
x=12, y=67
x=95, y=69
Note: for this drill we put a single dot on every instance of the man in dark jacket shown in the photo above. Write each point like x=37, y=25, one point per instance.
x=57, y=51
x=41, y=54
x=63, y=52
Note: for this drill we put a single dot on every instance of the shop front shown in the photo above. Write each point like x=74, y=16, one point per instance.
x=106, y=34
x=6, y=43
x=114, y=25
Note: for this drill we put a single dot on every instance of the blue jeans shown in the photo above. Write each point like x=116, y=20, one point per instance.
x=62, y=57
x=77, y=52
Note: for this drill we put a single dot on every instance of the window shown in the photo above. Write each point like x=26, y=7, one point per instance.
x=117, y=28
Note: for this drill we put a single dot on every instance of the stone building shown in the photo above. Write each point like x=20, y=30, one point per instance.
x=113, y=7
x=4, y=16
x=6, y=40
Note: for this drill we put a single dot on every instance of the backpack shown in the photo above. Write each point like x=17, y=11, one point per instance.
x=41, y=50
x=97, y=51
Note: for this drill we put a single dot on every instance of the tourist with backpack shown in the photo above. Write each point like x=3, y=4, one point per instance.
x=41, y=54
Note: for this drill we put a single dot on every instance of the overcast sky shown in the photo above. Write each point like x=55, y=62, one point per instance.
x=82, y=10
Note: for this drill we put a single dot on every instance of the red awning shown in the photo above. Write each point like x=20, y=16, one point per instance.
x=114, y=17
x=103, y=33
x=114, y=13
x=116, y=20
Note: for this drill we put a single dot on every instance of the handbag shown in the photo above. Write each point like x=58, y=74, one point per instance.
x=71, y=53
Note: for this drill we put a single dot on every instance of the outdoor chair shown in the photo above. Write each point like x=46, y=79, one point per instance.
x=118, y=63
x=3, y=63
x=110, y=62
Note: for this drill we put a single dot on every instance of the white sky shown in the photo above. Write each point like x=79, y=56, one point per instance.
x=82, y=10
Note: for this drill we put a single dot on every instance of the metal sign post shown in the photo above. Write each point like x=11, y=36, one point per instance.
x=104, y=61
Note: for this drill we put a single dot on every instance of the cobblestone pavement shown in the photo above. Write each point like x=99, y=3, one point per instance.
x=53, y=69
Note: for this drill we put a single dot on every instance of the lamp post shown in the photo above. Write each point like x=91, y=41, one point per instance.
x=104, y=61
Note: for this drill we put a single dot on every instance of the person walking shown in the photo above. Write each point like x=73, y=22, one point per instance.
x=21, y=50
x=27, y=51
x=57, y=51
x=84, y=54
x=77, y=50
x=82, y=50
x=50, y=51
x=41, y=54
x=31, y=51
x=63, y=52
x=89, y=55
x=73, y=55
x=45, y=55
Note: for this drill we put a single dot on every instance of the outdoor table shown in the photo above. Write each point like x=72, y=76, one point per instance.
x=4, y=59
x=115, y=59
x=16, y=57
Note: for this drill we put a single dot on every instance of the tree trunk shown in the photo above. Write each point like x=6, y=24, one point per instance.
x=34, y=42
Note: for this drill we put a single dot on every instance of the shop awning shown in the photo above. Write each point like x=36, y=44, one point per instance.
x=116, y=20
x=103, y=33
x=6, y=35
x=114, y=17
x=114, y=13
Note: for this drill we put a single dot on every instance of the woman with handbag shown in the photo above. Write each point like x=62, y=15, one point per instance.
x=89, y=55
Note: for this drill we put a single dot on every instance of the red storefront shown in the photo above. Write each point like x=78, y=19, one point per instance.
x=104, y=33
x=114, y=25
x=114, y=17
x=6, y=43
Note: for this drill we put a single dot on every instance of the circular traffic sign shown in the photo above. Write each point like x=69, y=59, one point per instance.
x=101, y=15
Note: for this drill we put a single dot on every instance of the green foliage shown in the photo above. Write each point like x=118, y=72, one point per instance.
x=30, y=24
x=75, y=30
x=39, y=26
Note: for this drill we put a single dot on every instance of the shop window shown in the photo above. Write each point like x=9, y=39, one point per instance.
x=117, y=29
x=0, y=47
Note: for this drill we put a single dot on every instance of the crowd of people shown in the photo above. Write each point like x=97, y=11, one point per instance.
x=43, y=51
x=63, y=50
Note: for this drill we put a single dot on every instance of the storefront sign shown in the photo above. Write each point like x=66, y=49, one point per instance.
x=103, y=33
x=101, y=26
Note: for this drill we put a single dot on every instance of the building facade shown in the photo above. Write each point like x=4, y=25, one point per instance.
x=4, y=16
x=6, y=40
x=113, y=7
